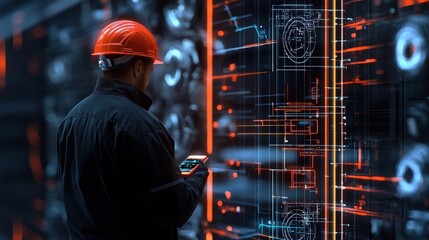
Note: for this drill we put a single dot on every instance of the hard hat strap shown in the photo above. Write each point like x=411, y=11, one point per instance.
x=112, y=63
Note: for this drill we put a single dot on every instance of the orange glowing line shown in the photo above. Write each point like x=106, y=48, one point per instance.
x=407, y=3
x=358, y=24
x=223, y=233
x=209, y=78
x=274, y=134
x=268, y=42
x=353, y=1
x=334, y=120
x=375, y=178
x=2, y=64
x=361, y=48
x=210, y=196
x=300, y=104
x=17, y=232
x=361, y=189
x=342, y=125
x=359, y=165
x=209, y=236
x=354, y=164
x=237, y=75
x=224, y=3
x=368, y=82
x=364, y=213
x=366, y=61
x=326, y=125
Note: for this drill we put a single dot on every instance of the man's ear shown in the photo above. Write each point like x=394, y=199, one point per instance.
x=138, y=68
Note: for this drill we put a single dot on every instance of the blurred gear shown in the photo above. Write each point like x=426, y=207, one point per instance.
x=417, y=121
x=411, y=45
x=59, y=70
x=412, y=172
x=179, y=17
x=180, y=61
x=179, y=123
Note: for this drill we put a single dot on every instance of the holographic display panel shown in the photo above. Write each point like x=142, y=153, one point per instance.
x=318, y=113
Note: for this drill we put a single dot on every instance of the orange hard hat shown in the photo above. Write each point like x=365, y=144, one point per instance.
x=126, y=37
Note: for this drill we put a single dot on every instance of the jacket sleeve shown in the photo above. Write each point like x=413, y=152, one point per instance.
x=164, y=196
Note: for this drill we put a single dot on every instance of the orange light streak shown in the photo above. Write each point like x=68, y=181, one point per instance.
x=232, y=75
x=252, y=45
x=407, y=3
x=342, y=117
x=352, y=1
x=209, y=79
x=369, y=82
x=2, y=64
x=366, y=61
x=210, y=196
x=374, y=178
x=361, y=189
x=360, y=48
x=224, y=3
x=359, y=164
x=223, y=233
x=355, y=164
x=357, y=24
x=268, y=42
x=364, y=213
x=300, y=104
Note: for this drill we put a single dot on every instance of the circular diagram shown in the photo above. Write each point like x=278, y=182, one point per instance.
x=299, y=39
x=299, y=224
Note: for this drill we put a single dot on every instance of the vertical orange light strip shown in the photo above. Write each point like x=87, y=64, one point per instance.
x=342, y=117
x=2, y=64
x=210, y=196
x=326, y=121
x=359, y=163
x=209, y=236
x=334, y=120
x=209, y=77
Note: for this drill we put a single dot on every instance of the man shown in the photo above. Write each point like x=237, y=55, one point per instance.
x=117, y=173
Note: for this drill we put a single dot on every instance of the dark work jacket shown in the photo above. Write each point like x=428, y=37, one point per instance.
x=117, y=173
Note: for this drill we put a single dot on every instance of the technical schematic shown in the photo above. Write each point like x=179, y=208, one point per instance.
x=297, y=28
x=274, y=101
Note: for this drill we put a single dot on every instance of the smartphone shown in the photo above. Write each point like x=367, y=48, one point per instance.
x=190, y=164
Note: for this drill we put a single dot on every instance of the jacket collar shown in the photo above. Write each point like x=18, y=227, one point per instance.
x=118, y=87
